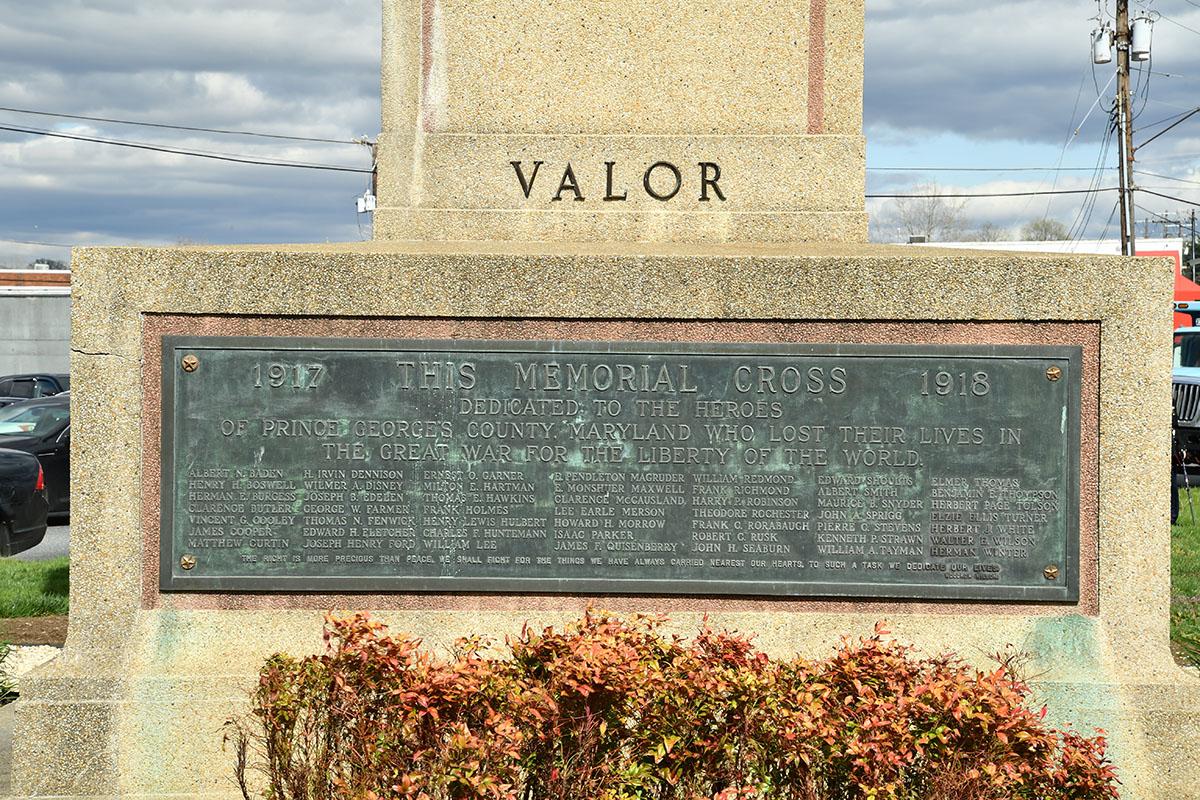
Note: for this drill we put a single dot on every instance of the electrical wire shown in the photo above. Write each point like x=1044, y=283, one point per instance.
x=1165, y=177
x=1167, y=129
x=1084, y=216
x=1111, y=216
x=157, y=148
x=988, y=194
x=1075, y=108
x=1154, y=214
x=1140, y=92
x=1146, y=221
x=1170, y=197
x=1180, y=24
x=1163, y=220
x=1169, y=119
x=979, y=169
x=1072, y=136
x=1067, y=143
x=36, y=244
x=179, y=127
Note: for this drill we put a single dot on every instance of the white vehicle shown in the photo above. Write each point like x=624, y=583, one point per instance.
x=1185, y=390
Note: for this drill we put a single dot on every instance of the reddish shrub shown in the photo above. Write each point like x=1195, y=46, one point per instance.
x=610, y=709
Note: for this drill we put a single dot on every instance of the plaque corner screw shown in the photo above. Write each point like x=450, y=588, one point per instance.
x=1051, y=572
x=190, y=363
x=1053, y=374
x=187, y=562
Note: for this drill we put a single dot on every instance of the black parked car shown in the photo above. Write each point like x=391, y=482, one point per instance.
x=23, y=504
x=43, y=428
x=15, y=388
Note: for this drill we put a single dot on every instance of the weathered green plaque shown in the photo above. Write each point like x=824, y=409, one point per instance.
x=598, y=467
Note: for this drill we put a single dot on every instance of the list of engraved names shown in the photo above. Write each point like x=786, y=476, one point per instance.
x=774, y=472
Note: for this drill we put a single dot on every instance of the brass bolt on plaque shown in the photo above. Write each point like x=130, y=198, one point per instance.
x=187, y=562
x=1051, y=572
x=190, y=362
x=1053, y=374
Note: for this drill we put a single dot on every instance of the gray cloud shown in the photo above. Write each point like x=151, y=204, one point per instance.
x=296, y=67
x=984, y=72
x=1006, y=70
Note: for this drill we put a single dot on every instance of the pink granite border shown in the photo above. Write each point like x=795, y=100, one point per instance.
x=428, y=7
x=816, y=67
x=1083, y=334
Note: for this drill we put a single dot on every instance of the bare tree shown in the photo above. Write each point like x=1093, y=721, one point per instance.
x=51, y=263
x=1044, y=230
x=926, y=212
x=987, y=232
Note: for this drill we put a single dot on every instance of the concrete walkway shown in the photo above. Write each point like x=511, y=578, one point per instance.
x=7, y=717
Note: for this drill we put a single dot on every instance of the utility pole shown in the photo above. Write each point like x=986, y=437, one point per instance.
x=1192, y=259
x=1125, y=121
x=366, y=203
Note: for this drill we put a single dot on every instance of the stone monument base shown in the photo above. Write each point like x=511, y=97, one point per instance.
x=134, y=706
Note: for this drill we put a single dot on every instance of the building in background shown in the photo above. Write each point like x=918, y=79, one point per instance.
x=35, y=321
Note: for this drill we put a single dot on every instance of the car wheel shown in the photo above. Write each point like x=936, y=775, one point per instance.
x=5, y=539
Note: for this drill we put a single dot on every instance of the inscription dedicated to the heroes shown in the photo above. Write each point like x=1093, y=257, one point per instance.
x=346, y=465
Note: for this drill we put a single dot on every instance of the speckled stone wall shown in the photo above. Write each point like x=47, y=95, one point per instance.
x=769, y=92
x=134, y=705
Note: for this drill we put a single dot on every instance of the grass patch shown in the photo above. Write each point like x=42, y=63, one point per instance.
x=1185, y=578
x=33, y=588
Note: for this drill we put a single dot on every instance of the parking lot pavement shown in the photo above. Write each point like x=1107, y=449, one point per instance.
x=56, y=544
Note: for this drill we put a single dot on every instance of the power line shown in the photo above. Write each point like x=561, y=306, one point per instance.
x=1168, y=119
x=37, y=244
x=178, y=127
x=1073, y=134
x=1173, y=158
x=1167, y=129
x=1058, y=168
x=1108, y=224
x=987, y=194
x=1166, y=177
x=1155, y=214
x=1084, y=217
x=237, y=159
x=241, y=159
x=1180, y=24
x=1171, y=197
x=978, y=169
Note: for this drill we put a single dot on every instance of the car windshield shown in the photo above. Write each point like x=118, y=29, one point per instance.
x=32, y=419
x=1187, y=349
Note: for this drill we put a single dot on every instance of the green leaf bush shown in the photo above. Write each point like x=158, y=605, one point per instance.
x=612, y=709
x=8, y=686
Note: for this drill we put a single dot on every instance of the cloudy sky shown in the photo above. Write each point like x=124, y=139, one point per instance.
x=949, y=83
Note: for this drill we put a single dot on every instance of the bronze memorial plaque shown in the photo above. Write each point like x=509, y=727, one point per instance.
x=333, y=465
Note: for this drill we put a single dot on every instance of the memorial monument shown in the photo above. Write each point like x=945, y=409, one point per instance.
x=619, y=340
